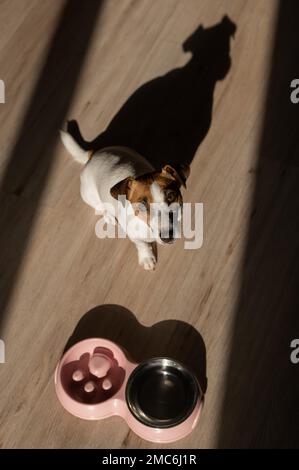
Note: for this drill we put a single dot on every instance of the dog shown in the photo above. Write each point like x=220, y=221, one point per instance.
x=123, y=186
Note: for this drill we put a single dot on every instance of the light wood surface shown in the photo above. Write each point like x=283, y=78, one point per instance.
x=57, y=65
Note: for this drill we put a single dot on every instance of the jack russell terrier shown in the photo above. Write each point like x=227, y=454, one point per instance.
x=118, y=182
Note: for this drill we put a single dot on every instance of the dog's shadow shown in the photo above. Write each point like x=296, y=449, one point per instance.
x=167, y=118
x=170, y=338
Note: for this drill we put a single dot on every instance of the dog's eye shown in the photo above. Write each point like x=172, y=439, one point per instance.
x=170, y=196
x=143, y=204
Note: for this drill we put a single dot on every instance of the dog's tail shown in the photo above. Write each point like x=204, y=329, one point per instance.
x=78, y=153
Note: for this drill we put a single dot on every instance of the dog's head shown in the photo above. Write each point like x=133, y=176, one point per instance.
x=153, y=197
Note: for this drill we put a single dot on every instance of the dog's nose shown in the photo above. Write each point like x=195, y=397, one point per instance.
x=167, y=240
x=167, y=237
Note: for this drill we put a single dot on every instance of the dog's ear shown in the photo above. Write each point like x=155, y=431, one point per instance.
x=180, y=173
x=122, y=188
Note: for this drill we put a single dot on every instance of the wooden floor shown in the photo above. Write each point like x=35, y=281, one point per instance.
x=59, y=283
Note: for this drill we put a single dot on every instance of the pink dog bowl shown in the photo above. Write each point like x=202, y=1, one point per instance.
x=160, y=399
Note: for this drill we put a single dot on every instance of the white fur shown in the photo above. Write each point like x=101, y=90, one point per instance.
x=106, y=168
x=157, y=193
x=80, y=155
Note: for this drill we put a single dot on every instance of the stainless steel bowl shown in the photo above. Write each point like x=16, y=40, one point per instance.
x=162, y=393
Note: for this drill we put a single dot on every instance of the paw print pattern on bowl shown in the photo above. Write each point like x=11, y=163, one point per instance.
x=160, y=399
x=86, y=380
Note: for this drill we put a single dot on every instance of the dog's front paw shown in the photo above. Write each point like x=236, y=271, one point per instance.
x=148, y=262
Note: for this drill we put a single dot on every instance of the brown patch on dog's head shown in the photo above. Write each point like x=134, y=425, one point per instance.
x=170, y=179
x=179, y=174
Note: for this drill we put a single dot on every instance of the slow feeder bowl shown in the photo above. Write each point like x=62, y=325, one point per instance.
x=159, y=399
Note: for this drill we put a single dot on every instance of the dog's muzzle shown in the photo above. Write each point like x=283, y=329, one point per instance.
x=167, y=236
